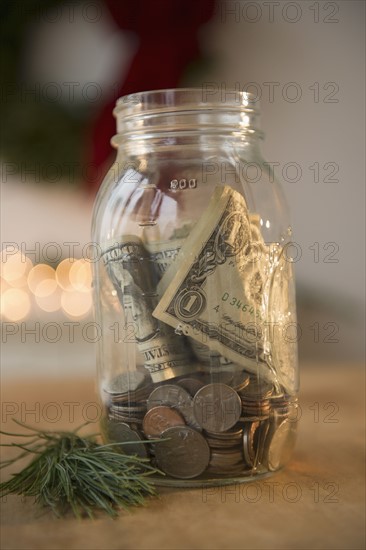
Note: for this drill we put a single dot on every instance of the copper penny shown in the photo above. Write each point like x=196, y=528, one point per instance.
x=158, y=419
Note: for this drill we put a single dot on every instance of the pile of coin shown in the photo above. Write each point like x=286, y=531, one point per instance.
x=177, y=398
x=226, y=452
x=127, y=395
x=280, y=405
x=226, y=424
x=255, y=400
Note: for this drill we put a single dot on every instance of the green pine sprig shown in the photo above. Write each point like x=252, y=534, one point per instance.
x=73, y=472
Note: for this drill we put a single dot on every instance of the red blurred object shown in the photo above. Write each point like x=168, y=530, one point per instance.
x=167, y=33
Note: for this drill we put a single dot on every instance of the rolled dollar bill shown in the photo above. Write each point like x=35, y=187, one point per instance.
x=163, y=251
x=162, y=254
x=165, y=354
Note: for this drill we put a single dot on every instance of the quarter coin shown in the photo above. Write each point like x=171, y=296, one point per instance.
x=182, y=453
x=126, y=382
x=216, y=407
x=131, y=440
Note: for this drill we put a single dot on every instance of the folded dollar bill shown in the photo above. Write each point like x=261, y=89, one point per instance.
x=216, y=290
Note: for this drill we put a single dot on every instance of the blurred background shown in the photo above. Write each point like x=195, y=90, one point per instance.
x=64, y=64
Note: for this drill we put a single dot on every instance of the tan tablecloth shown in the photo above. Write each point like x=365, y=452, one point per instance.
x=316, y=502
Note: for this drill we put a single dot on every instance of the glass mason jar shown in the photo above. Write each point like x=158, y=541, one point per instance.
x=194, y=291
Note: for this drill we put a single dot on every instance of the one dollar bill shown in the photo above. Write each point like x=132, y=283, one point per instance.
x=214, y=291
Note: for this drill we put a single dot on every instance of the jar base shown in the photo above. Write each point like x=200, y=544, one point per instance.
x=212, y=481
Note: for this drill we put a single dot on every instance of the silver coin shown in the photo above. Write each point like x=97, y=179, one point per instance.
x=191, y=385
x=281, y=445
x=182, y=453
x=217, y=407
x=234, y=434
x=126, y=382
x=127, y=411
x=176, y=397
x=227, y=455
x=219, y=377
x=248, y=443
x=119, y=432
x=168, y=394
x=140, y=395
x=221, y=443
x=125, y=419
x=130, y=408
x=257, y=389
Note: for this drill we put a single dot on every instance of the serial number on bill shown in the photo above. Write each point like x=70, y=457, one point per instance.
x=235, y=302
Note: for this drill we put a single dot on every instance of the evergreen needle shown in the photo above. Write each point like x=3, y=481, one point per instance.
x=70, y=472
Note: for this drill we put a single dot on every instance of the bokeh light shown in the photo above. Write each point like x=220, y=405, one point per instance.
x=63, y=273
x=46, y=288
x=37, y=276
x=23, y=286
x=3, y=285
x=15, y=304
x=80, y=276
x=76, y=304
x=15, y=267
x=51, y=302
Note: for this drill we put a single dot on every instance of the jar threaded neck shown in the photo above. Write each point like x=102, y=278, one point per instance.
x=187, y=111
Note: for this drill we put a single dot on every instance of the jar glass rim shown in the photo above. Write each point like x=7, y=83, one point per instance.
x=187, y=98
